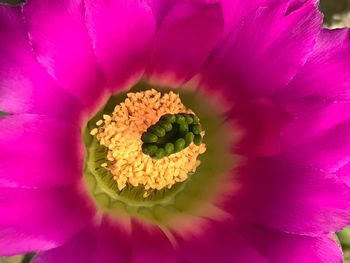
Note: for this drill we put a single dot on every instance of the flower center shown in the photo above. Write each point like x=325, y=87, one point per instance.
x=152, y=141
x=171, y=134
x=126, y=177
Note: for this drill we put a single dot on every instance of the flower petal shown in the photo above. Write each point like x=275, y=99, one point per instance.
x=78, y=249
x=269, y=47
x=25, y=87
x=344, y=172
x=318, y=97
x=295, y=4
x=280, y=247
x=323, y=129
x=121, y=49
x=185, y=38
x=112, y=235
x=286, y=195
x=327, y=72
x=261, y=121
x=218, y=242
x=236, y=11
x=60, y=41
x=40, y=219
x=37, y=151
x=104, y=241
x=161, y=8
x=112, y=240
x=149, y=244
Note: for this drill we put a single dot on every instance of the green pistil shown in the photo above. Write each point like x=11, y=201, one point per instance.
x=149, y=137
x=171, y=134
x=197, y=140
x=189, y=138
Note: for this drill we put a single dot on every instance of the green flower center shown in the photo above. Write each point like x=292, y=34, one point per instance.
x=171, y=134
x=173, y=138
x=140, y=151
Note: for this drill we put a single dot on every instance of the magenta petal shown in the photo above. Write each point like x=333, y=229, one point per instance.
x=331, y=150
x=78, y=250
x=25, y=87
x=344, y=173
x=161, y=8
x=185, y=38
x=61, y=44
x=37, y=151
x=290, y=196
x=104, y=241
x=323, y=130
x=149, y=244
x=280, y=247
x=45, y=218
x=327, y=71
x=264, y=49
x=113, y=242
x=318, y=97
x=218, y=242
x=122, y=33
x=295, y=4
x=261, y=121
x=313, y=117
x=236, y=11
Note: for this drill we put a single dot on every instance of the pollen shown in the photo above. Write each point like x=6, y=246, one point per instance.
x=121, y=134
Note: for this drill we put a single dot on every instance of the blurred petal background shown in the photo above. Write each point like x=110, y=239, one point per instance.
x=344, y=238
x=336, y=15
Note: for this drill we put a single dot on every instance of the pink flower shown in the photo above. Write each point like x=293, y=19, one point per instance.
x=285, y=85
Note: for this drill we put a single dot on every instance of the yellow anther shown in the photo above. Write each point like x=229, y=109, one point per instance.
x=121, y=133
x=99, y=122
x=94, y=131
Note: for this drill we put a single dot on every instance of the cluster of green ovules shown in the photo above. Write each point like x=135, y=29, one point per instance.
x=171, y=134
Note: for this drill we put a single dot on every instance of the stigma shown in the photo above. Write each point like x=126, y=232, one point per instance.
x=153, y=141
x=171, y=134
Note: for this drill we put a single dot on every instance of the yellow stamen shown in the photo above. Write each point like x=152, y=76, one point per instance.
x=121, y=134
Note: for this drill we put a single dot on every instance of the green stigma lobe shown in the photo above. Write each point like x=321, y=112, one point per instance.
x=171, y=134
